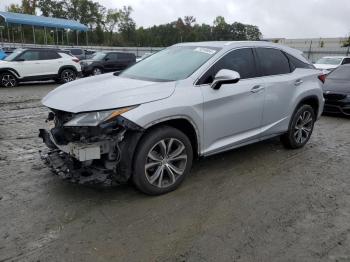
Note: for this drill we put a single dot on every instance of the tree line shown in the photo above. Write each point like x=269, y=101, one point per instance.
x=116, y=27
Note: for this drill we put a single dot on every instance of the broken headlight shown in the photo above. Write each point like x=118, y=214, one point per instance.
x=96, y=118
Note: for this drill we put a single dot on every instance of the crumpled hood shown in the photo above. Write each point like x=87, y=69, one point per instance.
x=105, y=92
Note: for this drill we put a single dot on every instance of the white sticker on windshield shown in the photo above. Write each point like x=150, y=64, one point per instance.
x=205, y=50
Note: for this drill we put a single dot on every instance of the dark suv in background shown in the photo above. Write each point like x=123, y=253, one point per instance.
x=103, y=62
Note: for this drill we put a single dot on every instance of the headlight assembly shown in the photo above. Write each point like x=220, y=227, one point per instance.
x=96, y=118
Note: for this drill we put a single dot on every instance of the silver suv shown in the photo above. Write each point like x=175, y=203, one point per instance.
x=190, y=100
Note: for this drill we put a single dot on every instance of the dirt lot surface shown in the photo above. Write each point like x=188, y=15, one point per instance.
x=257, y=203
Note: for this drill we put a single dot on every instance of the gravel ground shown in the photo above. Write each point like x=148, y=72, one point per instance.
x=257, y=203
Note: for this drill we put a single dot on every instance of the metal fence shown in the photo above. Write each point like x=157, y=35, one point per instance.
x=310, y=52
x=313, y=54
x=138, y=51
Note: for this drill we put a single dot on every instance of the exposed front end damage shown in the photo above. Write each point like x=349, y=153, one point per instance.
x=99, y=154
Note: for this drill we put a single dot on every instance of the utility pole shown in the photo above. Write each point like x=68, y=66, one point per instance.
x=1, y=36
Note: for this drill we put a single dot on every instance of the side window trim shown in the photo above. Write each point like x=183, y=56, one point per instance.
x=196, y=82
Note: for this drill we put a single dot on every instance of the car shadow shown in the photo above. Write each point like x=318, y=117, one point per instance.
x=203, y=168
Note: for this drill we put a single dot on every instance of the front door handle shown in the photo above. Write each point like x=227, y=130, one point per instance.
x=298, y=82
x=257, y=89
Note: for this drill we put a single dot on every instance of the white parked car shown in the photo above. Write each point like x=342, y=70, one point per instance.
x=37, y=65
x=329, y=63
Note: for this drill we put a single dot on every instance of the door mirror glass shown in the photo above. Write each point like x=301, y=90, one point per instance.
x=225, y=76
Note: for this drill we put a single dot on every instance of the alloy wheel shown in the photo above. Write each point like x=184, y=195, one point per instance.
x=303, y=127
x=166, y=162
x=8, y=80
x=68, y=76
x=97, y=71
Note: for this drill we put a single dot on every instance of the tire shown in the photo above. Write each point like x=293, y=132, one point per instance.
x=160, y=165
x=300, y=128
x=8, y=80
x=96, y=71
x=67, y=75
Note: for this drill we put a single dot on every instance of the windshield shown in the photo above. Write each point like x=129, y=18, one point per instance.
x=171, y=64
x=13, y=55
x=329, y=61
x=98, y=56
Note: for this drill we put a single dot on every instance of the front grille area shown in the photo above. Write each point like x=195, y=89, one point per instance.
x=62, y=117
x=333, y=96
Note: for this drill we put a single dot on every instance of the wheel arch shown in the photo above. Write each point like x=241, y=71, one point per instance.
x=67, y=67
x=182, y=123
x=10, y=70
x=312, y=101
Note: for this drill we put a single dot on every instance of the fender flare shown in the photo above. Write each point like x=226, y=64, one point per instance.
x=11, y=70
x=67, y=67
x=179, y=117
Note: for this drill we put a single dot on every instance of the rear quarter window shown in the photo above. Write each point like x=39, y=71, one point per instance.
x=296, y=63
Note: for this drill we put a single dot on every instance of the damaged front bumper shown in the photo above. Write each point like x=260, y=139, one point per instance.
x=92, y=155
x=67, y=168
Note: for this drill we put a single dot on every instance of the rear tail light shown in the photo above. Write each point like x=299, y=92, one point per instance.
x=322, y=78
x=75, y=60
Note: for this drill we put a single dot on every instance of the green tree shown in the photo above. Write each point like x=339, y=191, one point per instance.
x=221, y=30
x=117, y=27
x=26, y=7
x=52, y=8
x=126, y=24
x=253, y=33
x=346, y=43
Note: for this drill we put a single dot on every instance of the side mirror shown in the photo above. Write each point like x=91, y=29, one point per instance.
x=225, y=76
x=20, y=60
x=106, y=59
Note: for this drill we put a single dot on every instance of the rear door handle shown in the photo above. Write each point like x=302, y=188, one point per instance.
x=257, y=89
x=298, y=82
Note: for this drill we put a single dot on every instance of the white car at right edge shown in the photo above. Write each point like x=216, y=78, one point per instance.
x=329, y=63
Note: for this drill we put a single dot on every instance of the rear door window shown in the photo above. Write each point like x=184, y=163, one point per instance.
x=272, y=62
x=49, y=55
x=112, y=56
x=241, y=61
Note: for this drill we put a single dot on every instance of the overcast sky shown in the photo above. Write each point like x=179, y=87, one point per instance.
x=275, y=18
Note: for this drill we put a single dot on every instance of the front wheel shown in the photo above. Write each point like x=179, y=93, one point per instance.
x=300, y=128
x=67, y=75
x=163, y=159
x=8, y=80
x=97, y=71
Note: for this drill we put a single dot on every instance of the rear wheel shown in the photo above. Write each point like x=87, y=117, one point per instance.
x=67, y=75
x=162, y=161
x=300, y=128
x=8, y=80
